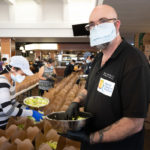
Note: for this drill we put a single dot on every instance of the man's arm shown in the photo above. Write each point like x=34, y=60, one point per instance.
x=120, y=130
x=81, y=97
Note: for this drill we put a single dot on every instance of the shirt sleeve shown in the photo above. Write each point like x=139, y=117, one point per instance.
x=135, y=92
x=17, y=104
x=7, y=107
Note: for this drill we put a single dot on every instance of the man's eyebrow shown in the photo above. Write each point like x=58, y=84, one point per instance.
x=98, y=19
x=91, y=22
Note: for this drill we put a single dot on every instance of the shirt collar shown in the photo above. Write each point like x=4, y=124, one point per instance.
x=119, y=49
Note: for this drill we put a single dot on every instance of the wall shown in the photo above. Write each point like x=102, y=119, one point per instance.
x=7, y=47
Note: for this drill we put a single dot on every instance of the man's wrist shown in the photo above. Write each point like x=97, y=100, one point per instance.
x=100, y=136
x=96, y=137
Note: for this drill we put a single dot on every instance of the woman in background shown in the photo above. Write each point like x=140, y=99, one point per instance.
x=47, y=75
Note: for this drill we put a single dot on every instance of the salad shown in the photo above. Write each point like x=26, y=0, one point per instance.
x=36, y=101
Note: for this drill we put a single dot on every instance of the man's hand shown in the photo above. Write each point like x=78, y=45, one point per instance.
x=72, y=110
x=80, y=136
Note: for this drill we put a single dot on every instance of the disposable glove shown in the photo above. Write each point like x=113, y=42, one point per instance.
x=37, y=115
x=27, y=108
x=80, y=136
x=51, y=79
x=54, y=75
x=72, y=110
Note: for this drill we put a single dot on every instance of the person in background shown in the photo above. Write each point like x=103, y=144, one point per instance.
x=117, y=90
x=14, y=72
x=38, y=64
x=88, y=59
x=69, y=68
x=3, y=63
x=4, y=60
x=83, y=64
x=44, y=61
x=47, y=76
x=89, y=62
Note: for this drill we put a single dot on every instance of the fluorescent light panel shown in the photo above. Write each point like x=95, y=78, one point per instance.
x=51, y=46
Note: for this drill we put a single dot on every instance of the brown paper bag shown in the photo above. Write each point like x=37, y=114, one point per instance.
x=19, y=133
x=39, y=139
x=24, y=145
x=32, y=132
x=10, y=130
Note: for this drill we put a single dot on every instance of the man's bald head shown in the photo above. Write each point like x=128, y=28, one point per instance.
x=103, y=11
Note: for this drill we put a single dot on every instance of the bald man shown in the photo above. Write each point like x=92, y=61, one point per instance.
x=117, y=89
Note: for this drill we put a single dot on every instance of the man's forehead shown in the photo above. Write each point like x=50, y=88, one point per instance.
x=102, y=12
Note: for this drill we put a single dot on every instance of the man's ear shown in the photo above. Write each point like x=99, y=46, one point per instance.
x=117, y=25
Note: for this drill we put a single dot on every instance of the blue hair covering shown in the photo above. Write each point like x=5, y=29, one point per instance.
x=86, y=55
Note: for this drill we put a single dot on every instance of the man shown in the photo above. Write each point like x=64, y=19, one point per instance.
x=69, y=68
x=117, y=89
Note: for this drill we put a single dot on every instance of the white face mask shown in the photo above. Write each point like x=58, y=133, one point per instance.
x=102, y=33
x=18, y=78
x=88, y=61
x=51, y=67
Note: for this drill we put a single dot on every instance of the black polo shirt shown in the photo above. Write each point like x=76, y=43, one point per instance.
x=121, y=88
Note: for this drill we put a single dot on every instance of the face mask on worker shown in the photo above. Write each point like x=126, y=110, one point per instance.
x=101, y=35
x=51, y=67
x=88, y=61
x=17, y=78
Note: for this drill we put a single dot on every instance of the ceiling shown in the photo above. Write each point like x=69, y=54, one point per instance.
x=134, y=16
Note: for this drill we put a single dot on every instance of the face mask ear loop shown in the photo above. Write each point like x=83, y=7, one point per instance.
x=9, y=68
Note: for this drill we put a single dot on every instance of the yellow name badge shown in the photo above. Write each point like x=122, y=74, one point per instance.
x=106, y=87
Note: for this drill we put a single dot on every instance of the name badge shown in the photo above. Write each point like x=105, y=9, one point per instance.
x=106, y=87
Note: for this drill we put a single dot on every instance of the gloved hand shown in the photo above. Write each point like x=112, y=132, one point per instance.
x=37, y=115
x=27, y=108
x=54, y=75
x=72, y=110
x=80, y=136
x=51, y=79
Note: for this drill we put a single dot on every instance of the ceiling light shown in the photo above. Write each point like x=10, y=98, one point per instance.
x=52, y=46
x=31, y=52
x=23, y=51
x=21, y=48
